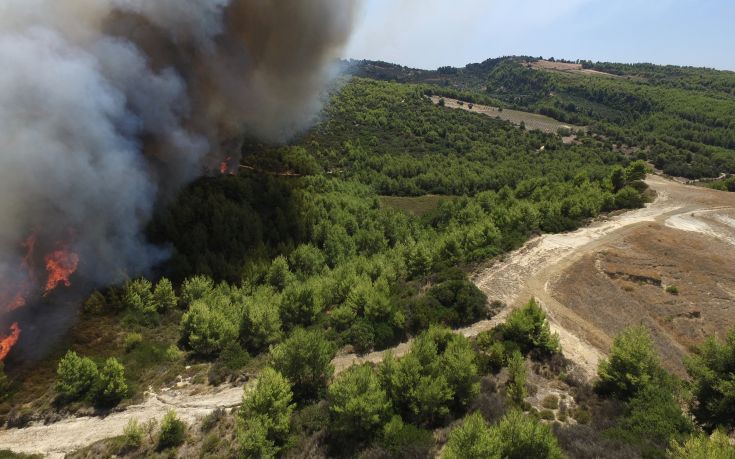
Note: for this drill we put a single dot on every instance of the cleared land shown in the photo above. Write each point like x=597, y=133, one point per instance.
x=567, y=67
x=600, y=279
x=531, y=120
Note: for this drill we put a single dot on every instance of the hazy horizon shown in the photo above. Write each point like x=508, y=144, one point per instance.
x=438, y=33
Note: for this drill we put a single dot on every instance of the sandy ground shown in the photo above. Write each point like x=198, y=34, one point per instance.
x=531, y=120
x=544, y=268
x=58, y=439
x=567, y=67
x=551, y=268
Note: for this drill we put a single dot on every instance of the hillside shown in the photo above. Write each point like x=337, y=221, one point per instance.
x=369, y=287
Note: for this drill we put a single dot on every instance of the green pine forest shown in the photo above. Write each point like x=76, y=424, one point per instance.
x=361, y=234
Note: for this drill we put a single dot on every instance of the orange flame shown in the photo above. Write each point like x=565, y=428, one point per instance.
x=7, y=342
x=224, y=166
x=60, y=264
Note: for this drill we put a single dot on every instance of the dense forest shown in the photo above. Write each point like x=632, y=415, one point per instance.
x=682, y=118
x=297, y=258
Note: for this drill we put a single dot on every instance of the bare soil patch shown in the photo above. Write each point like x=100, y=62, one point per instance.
x=567, y=67
x=530, y=120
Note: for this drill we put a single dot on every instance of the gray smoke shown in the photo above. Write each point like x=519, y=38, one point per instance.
x=107, y=105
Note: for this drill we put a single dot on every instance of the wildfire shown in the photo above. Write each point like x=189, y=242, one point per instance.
x=60, y=264
x=224, y=166
x=7, y=342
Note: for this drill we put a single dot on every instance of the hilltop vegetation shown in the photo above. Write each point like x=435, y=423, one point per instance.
x=682, y=118
x=297, y=258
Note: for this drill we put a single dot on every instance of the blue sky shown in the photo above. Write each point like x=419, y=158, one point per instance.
x=431, y=33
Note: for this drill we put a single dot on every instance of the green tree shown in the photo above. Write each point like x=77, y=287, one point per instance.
x=206, y=330
x=139, y=296
x=75, y=376
x=269, y=407
x=164, y=295
x=617, y=178
x=712, y=373
x=359, y=406
x=173, y=431
x=279, y=275
x=301, y=304
x=406, y=440
x=471, y=440
x=636, y=171
x=261, y=322
x=307, y=260
x=111, y=387
x=529, y=328
x=716, y=446
x=518, y=436
x=628, y=198
x=196, y=288
x=653, y=418
x=632, y=365
x=305, y=358
x=458, y=366
x=517, y=379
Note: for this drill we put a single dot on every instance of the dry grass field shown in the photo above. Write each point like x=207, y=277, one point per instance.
x=531, y=120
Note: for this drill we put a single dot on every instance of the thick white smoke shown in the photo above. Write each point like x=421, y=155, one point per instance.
x=105, y=105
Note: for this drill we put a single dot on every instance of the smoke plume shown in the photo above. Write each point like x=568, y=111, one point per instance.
x=108, y=105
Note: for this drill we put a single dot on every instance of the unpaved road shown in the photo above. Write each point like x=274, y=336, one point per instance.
x=530, y=120
x=58, y=439
x=523, y=274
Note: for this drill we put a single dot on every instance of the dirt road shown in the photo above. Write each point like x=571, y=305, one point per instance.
x=58, y=439
x=534, y=270
x=531, y=271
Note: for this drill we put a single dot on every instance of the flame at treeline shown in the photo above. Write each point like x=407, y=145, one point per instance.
x=60, y=264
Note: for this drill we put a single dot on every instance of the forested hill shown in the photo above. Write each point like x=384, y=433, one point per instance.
x=683, y=118
x=360, y=235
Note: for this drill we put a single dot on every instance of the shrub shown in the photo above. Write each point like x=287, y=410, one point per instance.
x=164, y=295
x=551, y=402
x=133, y=434
x=472, y=440
x=305, y=358
x=132, y=340
x=519, y=436
x=76, y=376
x=111, y=387
x=95, y=304
x=717, y=446
x=672, y=289
x=628, y=198
x=632, y=365
x=269, y=406
x=547, y=415
x=581, y=415
x=173, y=431
x=712, y=372
x=359, y=406
x=516, y=388
x=529, y=328
x=406, y=440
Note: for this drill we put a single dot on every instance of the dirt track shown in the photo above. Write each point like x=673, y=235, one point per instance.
x=540, y=269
